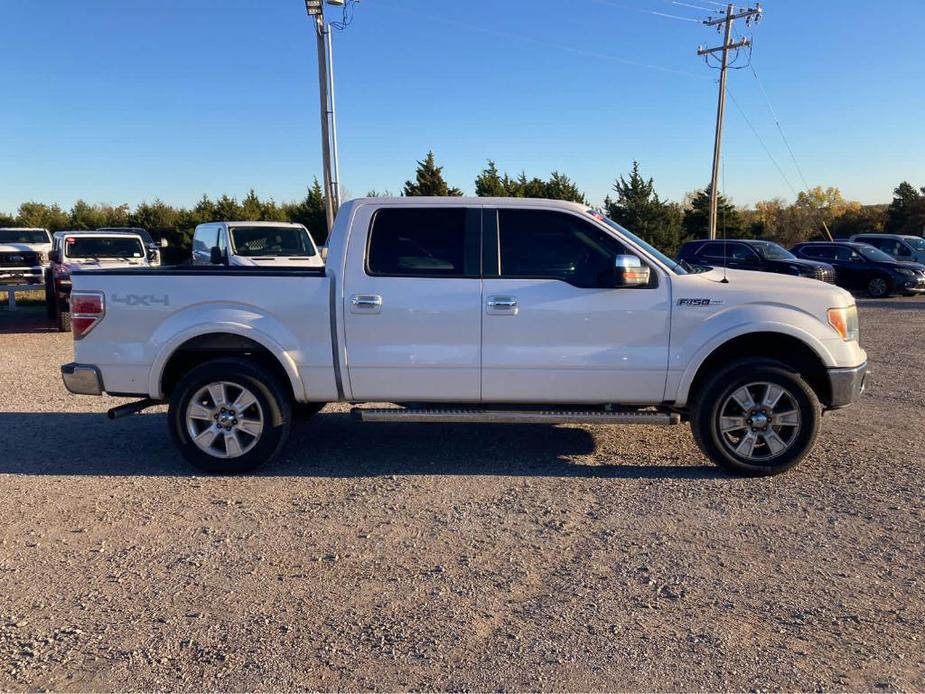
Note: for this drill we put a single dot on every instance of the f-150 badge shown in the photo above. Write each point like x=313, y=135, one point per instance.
x=699, y=302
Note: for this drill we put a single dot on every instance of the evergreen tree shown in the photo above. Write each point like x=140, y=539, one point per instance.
x=906, y=214
x=429, y=180
x=310, y=212
x=696, y=220
x=561, y=187
x=639, y=209
x=489, y=183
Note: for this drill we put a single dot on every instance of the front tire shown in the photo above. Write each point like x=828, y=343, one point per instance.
x=229, y=416
x=756, y=417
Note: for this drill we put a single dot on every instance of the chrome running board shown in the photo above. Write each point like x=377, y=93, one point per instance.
x=479, y=416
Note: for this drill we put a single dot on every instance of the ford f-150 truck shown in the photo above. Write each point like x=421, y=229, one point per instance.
x=472, y=310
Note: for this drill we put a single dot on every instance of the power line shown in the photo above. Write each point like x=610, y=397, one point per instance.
x=764, y=146
x=644, y=11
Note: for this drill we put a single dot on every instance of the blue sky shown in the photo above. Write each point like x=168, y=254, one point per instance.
x=122, y=101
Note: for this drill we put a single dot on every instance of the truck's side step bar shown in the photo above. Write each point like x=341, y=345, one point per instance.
x=480, y=416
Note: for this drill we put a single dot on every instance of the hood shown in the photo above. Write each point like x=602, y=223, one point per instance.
x=749, y=287
x=918, y=267
x=25, y=247
x=803, y=262
x=270, y=261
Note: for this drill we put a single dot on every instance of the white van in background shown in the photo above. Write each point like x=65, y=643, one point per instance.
x=255, y=244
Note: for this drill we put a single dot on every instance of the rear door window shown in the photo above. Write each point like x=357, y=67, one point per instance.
x=425, y=242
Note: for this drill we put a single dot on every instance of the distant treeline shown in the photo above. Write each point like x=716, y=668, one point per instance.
x=634, y=203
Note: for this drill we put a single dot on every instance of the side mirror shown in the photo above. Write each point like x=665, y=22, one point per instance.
x=629, y=271
x=216, y=257
x=54, y=256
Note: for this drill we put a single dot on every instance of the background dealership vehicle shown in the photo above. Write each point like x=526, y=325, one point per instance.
x=153, y=247
x=83, y=250
x=898, y=246
x=23, y=254
x=472, y=310
x=753, y=254
x=255, y=244
x=862, y=267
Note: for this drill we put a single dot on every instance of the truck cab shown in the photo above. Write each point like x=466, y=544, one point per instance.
x=255, y=244
x=23, y=254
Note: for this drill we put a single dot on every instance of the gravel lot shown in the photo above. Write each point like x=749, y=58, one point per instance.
x=458, y=556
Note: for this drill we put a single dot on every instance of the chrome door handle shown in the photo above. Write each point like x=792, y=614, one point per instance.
x=502, y=306
x=366, y=303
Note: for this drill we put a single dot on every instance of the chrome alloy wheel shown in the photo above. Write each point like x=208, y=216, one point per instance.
x=224, y=420
x=759, y=421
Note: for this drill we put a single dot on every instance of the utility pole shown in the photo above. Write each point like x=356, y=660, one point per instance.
x=728, y=20
x=331, y=167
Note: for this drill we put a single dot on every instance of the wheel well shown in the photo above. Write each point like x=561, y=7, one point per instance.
x=205, y=348
x=783, y=348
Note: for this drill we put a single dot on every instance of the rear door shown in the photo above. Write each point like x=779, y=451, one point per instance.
x=412, y=297
x=554, y=328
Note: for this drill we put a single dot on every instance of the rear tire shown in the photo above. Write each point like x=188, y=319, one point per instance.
x=756, y=417
x=64, y=321
x=229, y=416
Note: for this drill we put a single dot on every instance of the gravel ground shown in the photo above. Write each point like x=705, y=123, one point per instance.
x=396, y=557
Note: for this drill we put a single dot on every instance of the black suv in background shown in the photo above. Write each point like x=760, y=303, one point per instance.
x=863, y=267
x=752, y=254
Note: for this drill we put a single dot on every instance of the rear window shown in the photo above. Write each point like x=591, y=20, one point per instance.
x=422, y=243
x=103, y=247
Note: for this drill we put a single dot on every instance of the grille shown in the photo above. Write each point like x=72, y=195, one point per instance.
x=19, y=259
x=824, y=275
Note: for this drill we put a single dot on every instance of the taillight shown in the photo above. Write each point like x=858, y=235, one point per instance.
x=86, y=311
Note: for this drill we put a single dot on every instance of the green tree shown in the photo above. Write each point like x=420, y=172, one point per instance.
x=489, y=183
x=310, y=212
x=429, y=180
x=86, y=216
x=906, y=214
x=561, y=187
x=696, y=222
x=638, y=208
x=38, y=214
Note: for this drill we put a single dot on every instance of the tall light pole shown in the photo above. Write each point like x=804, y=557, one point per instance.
x=331, y=167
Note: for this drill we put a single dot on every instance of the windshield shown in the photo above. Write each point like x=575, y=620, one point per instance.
x=103, y=247
x=657, y=254
x=874, y=254
x=23, y=236
x=252, y=242
x=772, y=251
x=916, y=243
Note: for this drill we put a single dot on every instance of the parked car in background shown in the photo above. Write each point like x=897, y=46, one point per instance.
x=752, y=254
x=84, y=250
x=491, y=310
x=23, y=254
x=153, y=247
x=898, y=246
x=865, y=268
x=255, y=244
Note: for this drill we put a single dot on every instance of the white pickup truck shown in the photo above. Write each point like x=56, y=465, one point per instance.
x=472, y=310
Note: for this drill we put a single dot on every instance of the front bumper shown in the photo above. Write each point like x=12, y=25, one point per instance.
x=22, y=275
x=846, y=385
x=82, y=379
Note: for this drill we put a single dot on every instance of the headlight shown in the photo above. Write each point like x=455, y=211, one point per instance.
x=43, y=257
x=905, y=272
x=845, y=322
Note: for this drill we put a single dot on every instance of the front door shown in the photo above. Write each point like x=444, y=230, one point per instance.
x=411, y=305
x=554, y=328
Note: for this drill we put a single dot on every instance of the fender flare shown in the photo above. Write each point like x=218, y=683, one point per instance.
x=169, y=348
x=813, y=343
